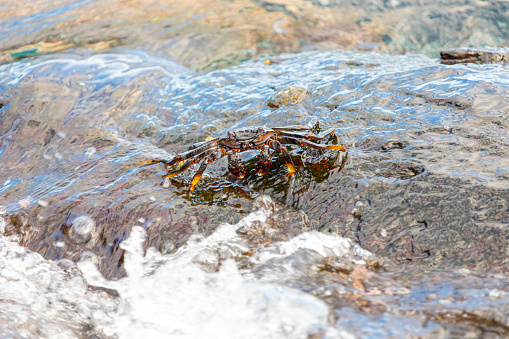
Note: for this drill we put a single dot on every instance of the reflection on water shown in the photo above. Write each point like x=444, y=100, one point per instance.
x=423, y=186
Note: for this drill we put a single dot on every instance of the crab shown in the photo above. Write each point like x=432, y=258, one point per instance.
x=262, y=138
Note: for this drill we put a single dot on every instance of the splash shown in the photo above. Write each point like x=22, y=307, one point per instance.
x=182, y=295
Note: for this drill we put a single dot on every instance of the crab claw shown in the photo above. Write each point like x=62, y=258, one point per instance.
x=235, y=166
x=265, y=161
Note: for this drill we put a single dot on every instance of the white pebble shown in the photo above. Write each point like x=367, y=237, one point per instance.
x=3, y=209
x=43, y=203
x=166, y=183
x=383, y=233
x=2, y=225
x=59, y=156
x=61, y=134
x=90, y=151
x=59, y=244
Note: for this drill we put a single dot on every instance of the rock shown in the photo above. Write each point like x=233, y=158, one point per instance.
x=290, y=96
x=475, y=55
x=81, y=229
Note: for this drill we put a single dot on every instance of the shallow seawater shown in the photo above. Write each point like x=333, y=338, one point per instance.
x=405, y=232
x=404, y=235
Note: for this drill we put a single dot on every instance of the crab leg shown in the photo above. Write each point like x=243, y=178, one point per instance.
x=190, y=153
x=276, y=146
x=235, y=166
x=186, y=165
x=265, y=161
x=211, y=157
x=306, y=142
x=263, y=139
x=203, y=143
x=310, y=135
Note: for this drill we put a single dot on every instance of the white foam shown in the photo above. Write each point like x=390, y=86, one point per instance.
x=324, y=244
x=196, y=292
x=38, y=299
x=183, y=296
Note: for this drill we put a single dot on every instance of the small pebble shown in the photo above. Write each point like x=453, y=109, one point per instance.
x=3, y=209
x=59, y=156
x=90, y=151
x=2, y=225
x=142, y=220
x=383, y=233
x=43, y=203
x=59, y=244
x=166, y=183
x=81, y=229
x=61, y=134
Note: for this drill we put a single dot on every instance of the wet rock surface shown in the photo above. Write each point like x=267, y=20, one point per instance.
x=424, y=184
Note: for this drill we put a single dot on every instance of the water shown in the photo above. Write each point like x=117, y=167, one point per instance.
x=405, y=235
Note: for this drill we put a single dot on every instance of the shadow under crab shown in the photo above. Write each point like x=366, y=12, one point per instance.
x=263, y=139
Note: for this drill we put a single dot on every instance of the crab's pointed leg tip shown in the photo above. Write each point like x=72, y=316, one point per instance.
x=195, y=181
x=291, y=169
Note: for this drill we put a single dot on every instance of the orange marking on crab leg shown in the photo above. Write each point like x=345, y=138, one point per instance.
x=276, y=145
x=195, y=180
x=290, y=168
x=341, y=148
x=202, y=168
x=188, y=163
